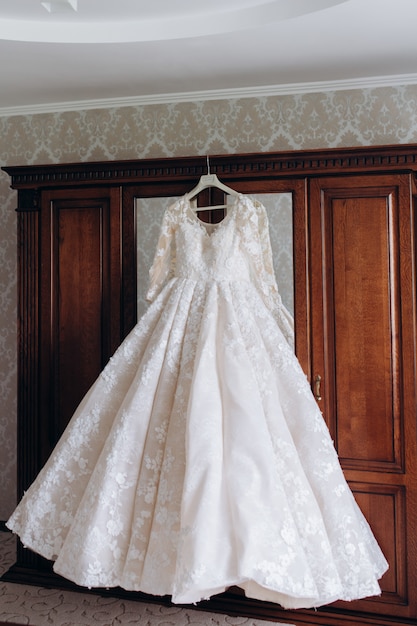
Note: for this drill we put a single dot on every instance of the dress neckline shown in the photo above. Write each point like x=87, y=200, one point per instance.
x=206, y=227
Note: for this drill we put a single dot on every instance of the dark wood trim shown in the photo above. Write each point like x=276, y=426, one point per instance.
x=230, y=167
x=28, y=341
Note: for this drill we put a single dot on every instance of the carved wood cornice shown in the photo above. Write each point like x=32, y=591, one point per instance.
x=229, y=167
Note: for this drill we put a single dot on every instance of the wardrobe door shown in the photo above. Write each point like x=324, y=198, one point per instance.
x=80, y=299
x=70, y=311
x=363, y=360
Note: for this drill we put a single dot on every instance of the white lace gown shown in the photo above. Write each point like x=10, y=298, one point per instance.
x=199, y=459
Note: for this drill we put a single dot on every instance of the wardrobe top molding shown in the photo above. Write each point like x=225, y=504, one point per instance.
x=266, y=165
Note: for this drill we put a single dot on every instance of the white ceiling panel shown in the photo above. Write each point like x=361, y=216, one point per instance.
x=92, y=51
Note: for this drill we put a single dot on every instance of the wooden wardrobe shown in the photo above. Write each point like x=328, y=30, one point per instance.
x=354, y=242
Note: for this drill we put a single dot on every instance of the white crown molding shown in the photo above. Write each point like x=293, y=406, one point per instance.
x=214, y=94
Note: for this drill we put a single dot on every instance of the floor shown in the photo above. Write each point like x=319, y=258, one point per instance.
x=35, y=606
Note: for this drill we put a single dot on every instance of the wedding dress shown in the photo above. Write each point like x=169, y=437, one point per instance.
x=199, y=459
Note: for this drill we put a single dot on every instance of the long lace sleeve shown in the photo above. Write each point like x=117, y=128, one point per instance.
x=258, y=244
x=162, y=267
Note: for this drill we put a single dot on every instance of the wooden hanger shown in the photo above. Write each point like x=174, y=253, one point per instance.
x=210, y=180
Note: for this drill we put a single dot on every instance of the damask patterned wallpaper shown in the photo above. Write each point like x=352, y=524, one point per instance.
x=302, y=121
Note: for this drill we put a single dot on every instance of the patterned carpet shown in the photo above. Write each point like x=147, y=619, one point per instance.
x=35, y=606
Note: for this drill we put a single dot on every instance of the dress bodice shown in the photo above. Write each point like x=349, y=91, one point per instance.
x=236, y=249
x=210, y=252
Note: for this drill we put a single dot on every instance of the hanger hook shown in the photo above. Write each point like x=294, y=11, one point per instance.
x=208, y=164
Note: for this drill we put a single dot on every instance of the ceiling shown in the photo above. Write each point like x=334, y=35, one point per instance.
x=69, y=54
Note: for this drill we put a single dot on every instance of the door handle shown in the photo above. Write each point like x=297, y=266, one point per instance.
x=317, y=387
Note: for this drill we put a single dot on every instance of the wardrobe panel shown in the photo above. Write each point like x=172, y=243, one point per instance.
x=79, y=266
x=358, y=317
x=364, y=247
x=80, y=325
x=384, y=509
x=149, y=214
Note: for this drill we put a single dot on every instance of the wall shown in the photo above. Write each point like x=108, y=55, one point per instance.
x=321, y=120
